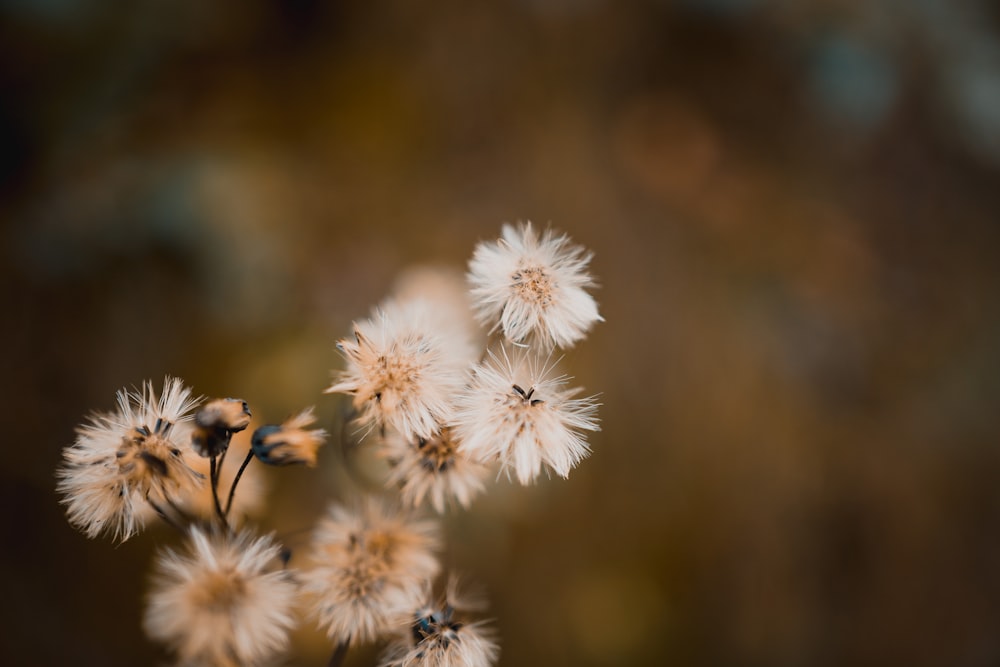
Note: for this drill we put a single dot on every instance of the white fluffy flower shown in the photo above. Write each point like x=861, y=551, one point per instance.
x=370, y=562
x=433, y=469
x=225, y=601
x=401, y=372
x=435, y=636
x=124, y=461
x=533, y=288
x=518, y=412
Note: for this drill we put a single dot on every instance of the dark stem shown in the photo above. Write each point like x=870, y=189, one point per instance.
x=167, y=519
x=222, y=457
x=337, y=658
x=236, y=480
x=181, y=512
x=213, y=473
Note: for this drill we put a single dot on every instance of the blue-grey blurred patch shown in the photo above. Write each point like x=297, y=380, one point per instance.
x=852, y=82
x=129, y=208
x=135, y=210
x=804, y=344
x=974, y=87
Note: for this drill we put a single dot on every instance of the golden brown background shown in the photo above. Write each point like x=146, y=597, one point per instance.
x=794, y=210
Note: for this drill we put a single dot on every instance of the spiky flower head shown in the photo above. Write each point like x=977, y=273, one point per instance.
x=225, y=600
x=438, y=635
x=216, y=422
x=289, y=443
x=402, y=373
x=370, y=562
x=126, y=461
x=517, y=411
x=434, y=469
x=533, y=288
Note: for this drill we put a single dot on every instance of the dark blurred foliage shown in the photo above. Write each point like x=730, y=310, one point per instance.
x=794, y=210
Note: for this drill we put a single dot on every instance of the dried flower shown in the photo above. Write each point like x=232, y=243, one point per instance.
x=432, y=468
x=122, y=460
x=225, y=601
x=290, y=442
x=215, y=424
x=436, y=637
x=518, y=412
x=533, y=289
x=370, y=563
x=401, y=372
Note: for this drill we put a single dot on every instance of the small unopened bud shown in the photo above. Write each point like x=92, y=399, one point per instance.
x=289, y=443
x=215, y=424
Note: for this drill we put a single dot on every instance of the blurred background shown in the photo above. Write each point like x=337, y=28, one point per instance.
x=793, y=207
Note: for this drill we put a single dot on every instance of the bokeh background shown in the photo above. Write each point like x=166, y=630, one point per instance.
x=794, y=209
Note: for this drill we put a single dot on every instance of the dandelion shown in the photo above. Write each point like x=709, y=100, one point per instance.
x=432, y=468
x=370, y=563
x=290, y=442
x=123, y=462
x=436, y=637
x=518, y=412
x=225, y=601
x=533, y=289
x=400, y=371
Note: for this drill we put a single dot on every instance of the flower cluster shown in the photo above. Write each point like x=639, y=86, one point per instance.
x=444, y=409
x=449, y=376
x=226, y=598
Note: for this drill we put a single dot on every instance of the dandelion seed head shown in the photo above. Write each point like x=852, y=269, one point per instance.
x=517, y=411
x=223, y=601
x=121, y=460
x=433, y=469
x=400, y=371
x=533, y=288
x=437, y=635
x=369, y=562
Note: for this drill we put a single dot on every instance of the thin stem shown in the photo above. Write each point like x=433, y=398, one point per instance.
x=167, y=519
x=213, y=473
x=236, y=480
x=339, y=653
x=222, y=456
x=181, y=512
